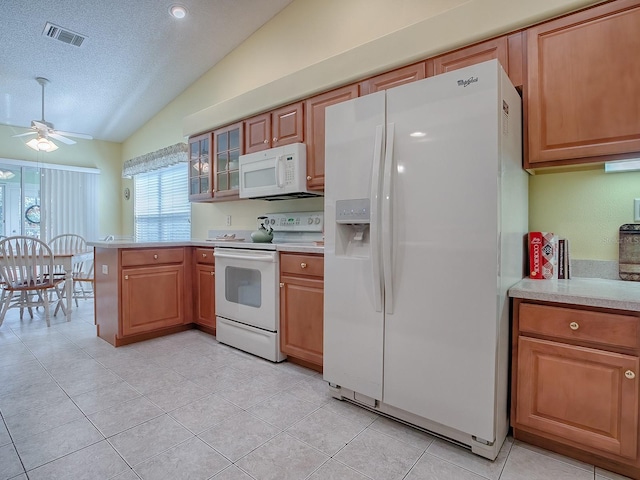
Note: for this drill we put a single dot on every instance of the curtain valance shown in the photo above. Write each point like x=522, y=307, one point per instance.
x=165, y=157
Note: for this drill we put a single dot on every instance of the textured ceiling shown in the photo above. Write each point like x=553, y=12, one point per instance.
x=135, y=59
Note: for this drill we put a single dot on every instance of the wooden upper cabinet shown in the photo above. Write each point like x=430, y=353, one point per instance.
x=315, y=131
x=274, y=129
x=481, y=52
x=582, y=96
x=257, y=133
x=394, y=78
x=516, y=58
x=199, y=167
x=227, y=148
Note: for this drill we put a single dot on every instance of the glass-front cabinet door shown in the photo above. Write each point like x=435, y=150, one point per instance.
x=228, y=143
x=200, y=168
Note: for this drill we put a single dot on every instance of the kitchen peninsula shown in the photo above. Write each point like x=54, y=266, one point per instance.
x=149, y=289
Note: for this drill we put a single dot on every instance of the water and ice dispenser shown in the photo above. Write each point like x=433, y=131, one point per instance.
x=353, y=232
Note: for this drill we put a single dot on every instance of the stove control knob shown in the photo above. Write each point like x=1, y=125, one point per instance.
x=310, y=221
x=273, y=221
x=317, y=221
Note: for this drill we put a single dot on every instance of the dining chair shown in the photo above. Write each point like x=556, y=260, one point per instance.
x=82, y=271
x=25, y=263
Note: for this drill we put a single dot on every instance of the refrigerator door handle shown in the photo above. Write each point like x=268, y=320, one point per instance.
x=387, y=221
x=374, y=225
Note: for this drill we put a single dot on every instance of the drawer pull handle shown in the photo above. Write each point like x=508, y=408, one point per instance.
x=155, y=257
x=574, y=326
x=629, y=374
x=126, y=277
x=303, y=265
x=281, y=284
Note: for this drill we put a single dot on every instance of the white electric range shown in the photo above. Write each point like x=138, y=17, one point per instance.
x=247, y=283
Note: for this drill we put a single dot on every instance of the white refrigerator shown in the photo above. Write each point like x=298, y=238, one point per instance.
x=425, y=219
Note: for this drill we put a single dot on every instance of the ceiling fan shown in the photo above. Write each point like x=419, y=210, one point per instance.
x=45, y=131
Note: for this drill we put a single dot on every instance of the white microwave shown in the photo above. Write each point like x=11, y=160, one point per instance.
x=276, y=174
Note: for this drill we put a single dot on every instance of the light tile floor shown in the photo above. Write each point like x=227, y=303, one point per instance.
x=188, y=407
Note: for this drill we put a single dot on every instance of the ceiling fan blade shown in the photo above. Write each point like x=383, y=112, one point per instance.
x=24, y=134
x=66, y=140
x=39, y=125
x=76, y=135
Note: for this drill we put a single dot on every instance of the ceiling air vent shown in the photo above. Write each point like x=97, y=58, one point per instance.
x=63, y=34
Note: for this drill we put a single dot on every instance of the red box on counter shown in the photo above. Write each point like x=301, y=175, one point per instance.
x=543, y=255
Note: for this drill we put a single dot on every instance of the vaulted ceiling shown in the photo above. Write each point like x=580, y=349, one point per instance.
x=133, y=60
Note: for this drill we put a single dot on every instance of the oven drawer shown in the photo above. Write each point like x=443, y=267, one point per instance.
x=151, y=256
x=249, y=339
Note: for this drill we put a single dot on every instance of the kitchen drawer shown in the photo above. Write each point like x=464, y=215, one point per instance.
x=581, y=325
x=301, y=264
x=152, y=256
x=205, y=255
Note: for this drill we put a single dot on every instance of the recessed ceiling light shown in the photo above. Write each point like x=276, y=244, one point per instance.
x=178, y=11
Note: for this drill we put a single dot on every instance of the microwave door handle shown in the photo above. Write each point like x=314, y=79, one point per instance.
x=279, y=180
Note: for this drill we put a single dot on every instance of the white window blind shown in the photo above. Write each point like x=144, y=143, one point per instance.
x=161, y=210
x=69, y=203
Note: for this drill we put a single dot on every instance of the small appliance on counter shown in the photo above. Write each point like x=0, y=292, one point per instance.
x=264, y=234
x=629, y=252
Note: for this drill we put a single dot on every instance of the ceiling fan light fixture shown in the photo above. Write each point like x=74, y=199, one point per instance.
x=42, y=144
x=178, y=11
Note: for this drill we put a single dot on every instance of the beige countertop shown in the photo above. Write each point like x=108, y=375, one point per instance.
x=595, y=292
x=282, y=247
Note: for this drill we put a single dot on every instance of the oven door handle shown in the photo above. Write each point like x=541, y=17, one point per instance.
x=257, y=257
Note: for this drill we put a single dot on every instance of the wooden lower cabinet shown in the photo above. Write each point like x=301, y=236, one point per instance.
x=140, y=293
x=152, y=298
x=575, y=382
x=204, y=312
x=301, y=307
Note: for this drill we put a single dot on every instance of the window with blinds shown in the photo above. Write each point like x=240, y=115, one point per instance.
x=161, y=210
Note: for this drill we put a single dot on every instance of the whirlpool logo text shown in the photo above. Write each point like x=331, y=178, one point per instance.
x=467, y=82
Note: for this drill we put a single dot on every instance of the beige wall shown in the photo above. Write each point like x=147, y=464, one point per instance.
x=106, y=156
x=312, y=46
x=587, y=207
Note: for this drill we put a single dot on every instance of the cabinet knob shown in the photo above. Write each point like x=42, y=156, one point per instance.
x=308, y=177
x=281, y=284
x=303, y=265
x=126, y=277
x=629, y=374
x=574, y=326
x=266, y=141
x=213, y=273
x=204, y=255
x=275, y=139
x=155, y=257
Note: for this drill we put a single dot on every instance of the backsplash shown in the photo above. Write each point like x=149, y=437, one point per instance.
x=607, y=269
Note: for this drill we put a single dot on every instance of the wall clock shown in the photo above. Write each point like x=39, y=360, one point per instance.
x=32, y=214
